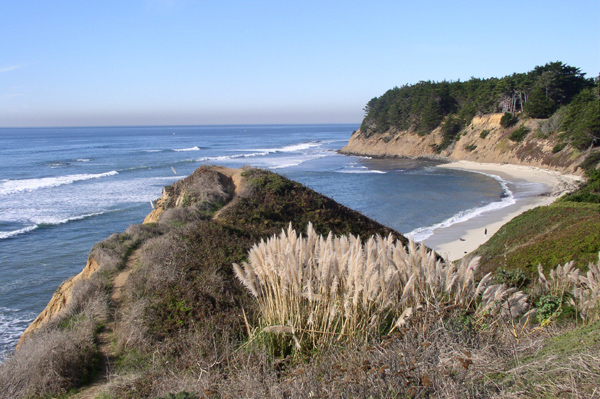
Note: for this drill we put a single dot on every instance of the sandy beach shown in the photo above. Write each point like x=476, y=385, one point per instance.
x=457, y=240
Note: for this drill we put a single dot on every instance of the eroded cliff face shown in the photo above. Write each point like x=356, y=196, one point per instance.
x=484, y=140
x=60, y=299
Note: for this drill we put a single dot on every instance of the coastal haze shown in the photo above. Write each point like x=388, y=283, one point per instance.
x=72, y=187
x=182, y=62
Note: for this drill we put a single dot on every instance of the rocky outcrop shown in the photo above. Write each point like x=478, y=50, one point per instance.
x=206, y=187
x=484, y=140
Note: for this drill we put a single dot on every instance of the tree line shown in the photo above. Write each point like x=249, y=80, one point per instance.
x=554, y=88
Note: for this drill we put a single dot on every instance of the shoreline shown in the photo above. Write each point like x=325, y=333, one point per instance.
x=457, y=240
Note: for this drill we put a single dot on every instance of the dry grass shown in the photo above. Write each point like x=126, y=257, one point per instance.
x=205, y=189
x=62, y=354
x=51, y=361
x=550, y=377
x=324, y=290
x=443, y=359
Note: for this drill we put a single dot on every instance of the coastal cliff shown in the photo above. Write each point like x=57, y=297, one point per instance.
x=484, y=140
x=220, y=195
x=60, y=299
x=548, y=117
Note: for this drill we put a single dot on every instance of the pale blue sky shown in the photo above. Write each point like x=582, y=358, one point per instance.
x=77, y=63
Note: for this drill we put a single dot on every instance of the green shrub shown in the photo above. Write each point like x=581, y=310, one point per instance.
x=519, y=134
x=470, y=147
x=558, y=147
x=484, y=133
x=508, y=120
x=450, y=130
x=591, y=161
x=549, y=235
x=512, y=277
x=582, y=120
x=548, y=306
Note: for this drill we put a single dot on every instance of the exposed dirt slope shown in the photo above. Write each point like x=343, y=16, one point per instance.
x=484, y=140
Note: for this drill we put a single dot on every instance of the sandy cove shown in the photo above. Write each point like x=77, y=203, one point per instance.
x=457, y=240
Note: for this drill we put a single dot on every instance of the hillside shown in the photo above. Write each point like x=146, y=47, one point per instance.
x=168, y=284
x=160, y=313
x=484, y=140
x=548, y=117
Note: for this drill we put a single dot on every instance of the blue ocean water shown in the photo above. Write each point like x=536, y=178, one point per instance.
x=64, y=189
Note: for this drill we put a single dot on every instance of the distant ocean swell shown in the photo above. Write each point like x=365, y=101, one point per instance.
x=423, y=233
x=9, y=187
x=54, y=222
x=295, y=155
x=277, y=164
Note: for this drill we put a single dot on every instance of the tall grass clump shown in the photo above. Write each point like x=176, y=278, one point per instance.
x=569, y=286
x=321, y=290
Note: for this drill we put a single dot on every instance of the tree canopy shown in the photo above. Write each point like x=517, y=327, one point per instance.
x=539, y=93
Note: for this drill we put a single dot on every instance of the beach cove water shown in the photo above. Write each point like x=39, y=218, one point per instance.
x=64, y=189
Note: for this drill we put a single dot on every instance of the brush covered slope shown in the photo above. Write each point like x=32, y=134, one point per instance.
x=166, y=316
x=180, y=303
x=567, y=230
x=548, y=117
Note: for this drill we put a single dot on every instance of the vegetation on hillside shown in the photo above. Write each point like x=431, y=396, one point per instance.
x=564, y=231
x=552, y=90
x=321, y=291
x=182, y=304
x=366, y=317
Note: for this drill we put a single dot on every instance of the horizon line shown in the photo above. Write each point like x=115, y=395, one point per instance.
x=182, y=125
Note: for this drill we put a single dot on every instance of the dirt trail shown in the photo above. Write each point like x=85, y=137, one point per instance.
x=104, y=339
x=238, y=181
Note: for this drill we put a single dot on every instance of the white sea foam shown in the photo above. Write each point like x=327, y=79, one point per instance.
x=262, y=152
x=46, y=221
x=228, y=157
x=7, y=234
x=299, y=147
x=12, y=324
x=8, y=187
x=289, y=162
x=153, y=151
x=83, y=160
x=195, y=148
x=55, y=221
x=288, y=148
x=359, y=169
x=423, y=233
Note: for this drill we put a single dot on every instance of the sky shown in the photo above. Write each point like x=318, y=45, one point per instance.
x=196, y=62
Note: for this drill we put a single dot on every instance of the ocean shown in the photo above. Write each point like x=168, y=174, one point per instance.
x=64, y=189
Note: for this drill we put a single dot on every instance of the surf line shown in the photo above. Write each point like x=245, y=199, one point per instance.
x=422, y=233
